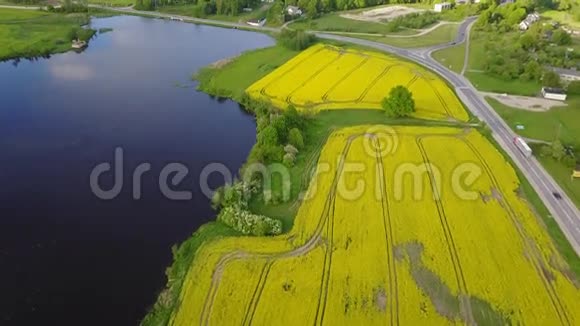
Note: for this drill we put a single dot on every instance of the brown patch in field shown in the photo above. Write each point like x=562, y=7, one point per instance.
x=381, y=299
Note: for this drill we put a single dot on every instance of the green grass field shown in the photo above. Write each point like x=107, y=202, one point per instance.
x=562, y=17
x=245, y=70
x=563, y=121
x=442, y=34
x=487, y=83
x=452, y=57
x=333, y=22
x=30, y=33
x=113, y=3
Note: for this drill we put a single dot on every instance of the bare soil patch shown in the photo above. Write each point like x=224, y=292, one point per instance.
x=536, y=104
x=383, y=14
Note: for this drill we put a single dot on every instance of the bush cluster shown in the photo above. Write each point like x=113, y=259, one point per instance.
x=296, y=40
x=245, y=222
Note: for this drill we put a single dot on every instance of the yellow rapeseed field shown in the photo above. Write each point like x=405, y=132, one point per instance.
x=395, y=231
x=327, y=77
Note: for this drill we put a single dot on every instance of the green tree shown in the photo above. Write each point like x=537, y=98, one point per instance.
x=293, y=118
x=528, y=41
x=551, y=79
x=560, y=37
x=574, y=87
x=281, y=128
x=399, y=103
x=533, y=70
x=558, y=151
x=295, y=138
x=268, y=136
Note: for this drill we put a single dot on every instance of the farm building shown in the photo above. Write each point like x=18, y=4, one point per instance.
x=530, y=19
x=567, y=75
x=557, y=94
x=293, y=11
x=439, y=7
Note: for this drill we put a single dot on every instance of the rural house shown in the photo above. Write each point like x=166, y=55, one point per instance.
x=439, y=7
x=550, y=93
x=567, y=75
x=293, y=11
x=530, y=19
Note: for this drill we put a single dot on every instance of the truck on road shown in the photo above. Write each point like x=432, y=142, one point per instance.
x=523, y=146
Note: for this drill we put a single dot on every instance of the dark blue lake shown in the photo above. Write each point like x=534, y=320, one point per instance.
x=66, y=256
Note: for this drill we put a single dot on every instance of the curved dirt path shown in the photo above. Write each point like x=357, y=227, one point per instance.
x=311, y=244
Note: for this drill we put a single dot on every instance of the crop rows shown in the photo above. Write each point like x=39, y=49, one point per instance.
x=327, y=77
x=380, y=258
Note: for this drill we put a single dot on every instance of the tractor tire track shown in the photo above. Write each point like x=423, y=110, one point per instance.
x=536, y=261
x=253, y=305
x=300, y=86
x=355, y=68
x=389, y=239
x=461, y=283
x=312, y=243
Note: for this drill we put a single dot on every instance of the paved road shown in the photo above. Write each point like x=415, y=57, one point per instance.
x=563, y=210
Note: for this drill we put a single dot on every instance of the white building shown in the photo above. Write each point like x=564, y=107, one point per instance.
x=557, y=94
x=439, y=7
x=567, y=75
x=530, y=19
x=293, y=11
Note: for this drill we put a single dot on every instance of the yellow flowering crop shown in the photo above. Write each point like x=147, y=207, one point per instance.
x=327, y=77
x=393, y=230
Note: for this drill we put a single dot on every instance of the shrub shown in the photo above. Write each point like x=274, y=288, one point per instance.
x=574, y=87
x=247, y=223
x=295, y=138
x=296, y=40
x=289, y=159
x=290, y=149
x=268, y=136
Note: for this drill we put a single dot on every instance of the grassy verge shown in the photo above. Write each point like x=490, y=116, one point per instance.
x=442, y=34
x=32, y=33
x=488, y=83
x=563, y=17
x=562, y=122
x=230, y=79
x=113, y=3
x=334, y=22
x=183, y=256
x=452, y=57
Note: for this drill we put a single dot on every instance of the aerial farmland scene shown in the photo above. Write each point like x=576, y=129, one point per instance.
x=204, y=162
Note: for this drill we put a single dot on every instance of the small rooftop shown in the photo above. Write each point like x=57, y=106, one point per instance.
x=553, y=90
x=563, y=71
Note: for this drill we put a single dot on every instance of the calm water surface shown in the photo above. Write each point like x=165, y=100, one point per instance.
x=66, y=257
